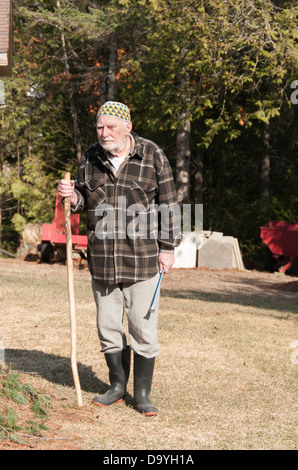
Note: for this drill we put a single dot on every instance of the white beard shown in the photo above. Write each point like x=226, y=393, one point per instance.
x=112, y=147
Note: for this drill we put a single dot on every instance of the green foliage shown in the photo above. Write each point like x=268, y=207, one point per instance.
x=8, y=422
x=36, y=191
x=14, y=390
x=225, y=65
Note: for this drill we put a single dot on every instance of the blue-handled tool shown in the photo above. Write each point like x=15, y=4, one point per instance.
x=152, y=306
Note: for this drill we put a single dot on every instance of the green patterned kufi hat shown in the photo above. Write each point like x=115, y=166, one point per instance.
x=113, y=108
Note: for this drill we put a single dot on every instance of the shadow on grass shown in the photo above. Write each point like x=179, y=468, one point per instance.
x=55, y=369
x=249, y=293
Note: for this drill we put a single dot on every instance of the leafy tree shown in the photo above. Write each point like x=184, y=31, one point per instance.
x=226, y=68
x=208, y=80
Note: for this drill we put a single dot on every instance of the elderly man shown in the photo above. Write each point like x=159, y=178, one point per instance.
x=120, y=180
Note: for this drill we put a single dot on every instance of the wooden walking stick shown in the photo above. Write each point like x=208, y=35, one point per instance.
x=70, y=284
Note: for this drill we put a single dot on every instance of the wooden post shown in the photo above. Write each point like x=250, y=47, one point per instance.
x=70, y=283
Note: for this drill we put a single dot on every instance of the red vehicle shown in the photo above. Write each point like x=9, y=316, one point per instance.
x=281, y=238
x=53, y=239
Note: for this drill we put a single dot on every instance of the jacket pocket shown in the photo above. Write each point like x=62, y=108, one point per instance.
x=141, y=193
x=95, y=191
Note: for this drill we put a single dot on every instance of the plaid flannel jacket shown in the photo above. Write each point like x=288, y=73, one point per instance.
x=125, y=231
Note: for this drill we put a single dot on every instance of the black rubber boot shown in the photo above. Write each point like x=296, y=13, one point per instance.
x=143, y=375
x=119, y=369
x=126, y=355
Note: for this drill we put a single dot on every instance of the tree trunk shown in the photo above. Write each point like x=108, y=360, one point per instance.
x=112, y=79
x=183, y=160
x=265, y=167
x=199, y=178
x=76, y=130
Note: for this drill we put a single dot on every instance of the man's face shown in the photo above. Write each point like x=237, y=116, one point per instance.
x=112, y=133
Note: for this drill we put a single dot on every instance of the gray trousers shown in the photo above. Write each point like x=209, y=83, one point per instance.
x=134, y=299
